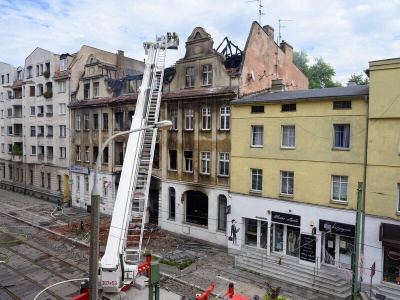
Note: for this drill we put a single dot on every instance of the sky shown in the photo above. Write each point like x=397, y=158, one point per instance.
x=346, y=34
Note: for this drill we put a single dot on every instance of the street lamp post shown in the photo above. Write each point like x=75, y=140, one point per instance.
x=95, y=210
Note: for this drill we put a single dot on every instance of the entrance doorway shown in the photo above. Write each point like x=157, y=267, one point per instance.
x=197, y=208
x=330, y=248
x=66, y=188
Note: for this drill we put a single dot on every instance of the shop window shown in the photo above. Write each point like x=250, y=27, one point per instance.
x=172, y=198
x=278, y=237
x=346, y=249
x=197, y=208
x=250, y=232
x=391, y=264
x=293, y=241
x=222, y=203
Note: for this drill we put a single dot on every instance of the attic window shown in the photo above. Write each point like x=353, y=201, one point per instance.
x=289, y=107
x=63, y=65
x=257, y=109
x=341, y=104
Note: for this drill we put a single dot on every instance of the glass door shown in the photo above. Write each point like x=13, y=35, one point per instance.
x=264, y=235
x=278, y=238
x=330, y=246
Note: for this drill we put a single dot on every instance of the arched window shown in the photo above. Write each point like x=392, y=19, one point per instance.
x=171, y=203
x=222, y=202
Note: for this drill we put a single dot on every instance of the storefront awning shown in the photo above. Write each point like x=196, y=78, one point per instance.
x=389, y=234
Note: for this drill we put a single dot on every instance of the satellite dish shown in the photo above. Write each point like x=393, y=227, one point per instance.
x=252, y=75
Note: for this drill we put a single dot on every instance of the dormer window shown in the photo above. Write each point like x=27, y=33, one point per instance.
x=206, y=75
x=63, y=64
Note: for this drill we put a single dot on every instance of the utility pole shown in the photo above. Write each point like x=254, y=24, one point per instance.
x=356, y=255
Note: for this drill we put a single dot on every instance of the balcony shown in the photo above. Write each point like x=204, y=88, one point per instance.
x=40, y=114
x=49, y=135
x=40, y=134
x=49, y=114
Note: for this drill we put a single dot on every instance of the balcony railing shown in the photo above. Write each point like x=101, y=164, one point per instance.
x=49, y=114
x=40, y=134
x=40, y=114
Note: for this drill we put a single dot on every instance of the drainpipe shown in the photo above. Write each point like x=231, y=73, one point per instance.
x=364, y=178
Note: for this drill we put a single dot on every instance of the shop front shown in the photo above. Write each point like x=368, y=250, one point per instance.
x=337, y=243
x=285, y=233
x=256, y=232
x=390, y=237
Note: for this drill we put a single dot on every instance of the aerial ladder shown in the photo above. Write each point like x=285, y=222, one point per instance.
x=121, y=261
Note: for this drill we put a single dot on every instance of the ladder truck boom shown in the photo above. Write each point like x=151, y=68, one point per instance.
x=119, y=265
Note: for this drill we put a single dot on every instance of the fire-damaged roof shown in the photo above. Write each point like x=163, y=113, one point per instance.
x=201, y=93
x=104, y=101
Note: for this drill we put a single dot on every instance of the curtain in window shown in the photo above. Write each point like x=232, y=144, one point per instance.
x=257, y=136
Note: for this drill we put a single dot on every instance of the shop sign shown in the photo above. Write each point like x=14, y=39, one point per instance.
x=292, y=220
x=82, y=170
x=308, y=248
x=338, y=228
x=262, y=218
x=393, y=253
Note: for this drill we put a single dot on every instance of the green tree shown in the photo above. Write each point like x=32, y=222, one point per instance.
x=319, y=74
x=359, y=79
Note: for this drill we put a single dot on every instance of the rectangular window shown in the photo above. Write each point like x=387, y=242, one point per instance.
x=223, y=164
x=289, y=107
x=222, y=216
x=63, y=152
x=2, y=130
x=339, y=188
x=188, y=163
x=341, y=136
x=86, y=183
x=341, y=104
x=205, y=158
x=62, y=86
x=49, y=151
x=9, y=148
x=33, y=150
x=2, y=148
x=78, y=153
x=62, y=108
x=256, y=180
x=30, y=72
x=173, y=116
x=188, y=118
x=63, y=130
x=288, y=137
x=32, y=91
x=48, y=180
x=257, y=109
x=225, y=114
x=189, y=77
x=59, y=181
x=41, y=150
x=206, y=118
x=9, y=130
x=49, y=131
x=86, y=121
x=33, y=130
x=257, y=135
x=95, y=121
x=78, y=183
x=96, y=89
x=95, y=153
x=63, y=64
x=78, y=122
x=171, y=203
x=172, y=160
x=86, y=90
x=206, y=75
x=105, y=155
x=30, y=177
x=87, y=154
x=9, y=112
x=32, y=111
x=42, y=179
x=287, y=183
x=7, y=78
x=105, y=121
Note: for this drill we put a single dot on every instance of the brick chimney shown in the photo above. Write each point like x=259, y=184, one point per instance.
x=120, y=63
x=269, y=31
x=277, y=85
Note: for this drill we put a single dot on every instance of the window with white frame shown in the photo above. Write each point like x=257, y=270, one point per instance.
x=206, y=75
x=62, y=86
x=33, y=111
x=257, y=135
x=223, y=164
x=96, y=89
x=63, y=64
x=341, y=136
x=189, y=118
x=87, y=154
x=86, y=121
x=339, y=188
x=33, y=150
x=63, y=152
x=205, y=158
x=224, y=114
x=78, y=122
x=62, y=108
x=33, y=130
x=63, y=130
x=287, y=183
x=188, y=163
x=288, y=137
x=256, y=180
x=78, y=153
x=206, y=118
x=173, y=116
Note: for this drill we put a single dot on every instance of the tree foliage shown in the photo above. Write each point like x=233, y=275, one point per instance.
x=320, y=74
x=359, y=79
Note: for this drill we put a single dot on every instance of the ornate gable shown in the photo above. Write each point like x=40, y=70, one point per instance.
x=199, y=43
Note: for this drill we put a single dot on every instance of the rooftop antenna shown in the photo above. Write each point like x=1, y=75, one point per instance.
x=280, y=27
x=259, y=10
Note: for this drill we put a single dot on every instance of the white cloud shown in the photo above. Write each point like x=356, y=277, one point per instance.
x=346, y=34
